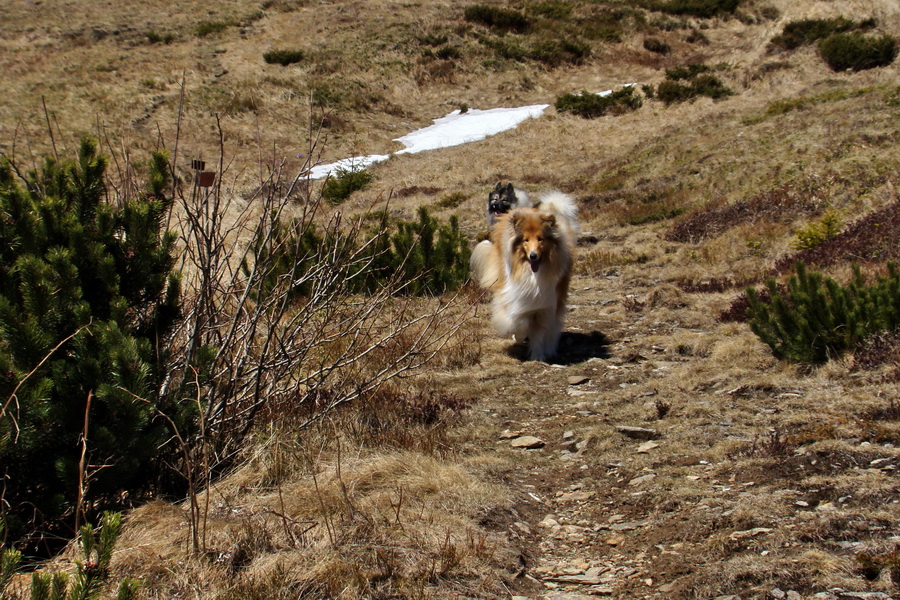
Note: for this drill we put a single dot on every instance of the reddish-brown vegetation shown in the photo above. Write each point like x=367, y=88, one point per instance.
x=782, y=204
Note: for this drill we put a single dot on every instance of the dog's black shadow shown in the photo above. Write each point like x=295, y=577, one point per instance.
x=574, y=347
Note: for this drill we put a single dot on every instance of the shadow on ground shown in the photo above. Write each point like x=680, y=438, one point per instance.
x=574, y=347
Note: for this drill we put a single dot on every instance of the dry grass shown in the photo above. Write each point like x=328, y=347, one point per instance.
x=379, y=502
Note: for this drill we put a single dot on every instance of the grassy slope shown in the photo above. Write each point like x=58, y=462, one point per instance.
x=748, y=442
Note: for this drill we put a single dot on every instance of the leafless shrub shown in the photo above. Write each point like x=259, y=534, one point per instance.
x=662, y=408
x=632, y=304
x=771, y=445
x=249, y=341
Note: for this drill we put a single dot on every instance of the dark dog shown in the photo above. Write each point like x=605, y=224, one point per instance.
x=503, y=199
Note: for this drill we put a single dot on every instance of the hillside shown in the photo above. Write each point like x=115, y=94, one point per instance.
x=750, y=476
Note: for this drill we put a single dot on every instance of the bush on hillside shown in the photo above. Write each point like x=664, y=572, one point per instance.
x=557, y=52
x=857, y=52
x=687, y=72
x=656, y=45
x=343, y=183
x=88, y=294
x=671, y=91
x=423, y=257
x=432, y=258
x=283, y=57
x=694, y=8
x=497, y=18
x=816, y=318
x=817, y=232
x=808, y=31
x=591, y=106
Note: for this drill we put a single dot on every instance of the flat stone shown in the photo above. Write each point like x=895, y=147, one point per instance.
x=638, y=433
x=581, y=579
x=578, y=380
x=749, y=533
x=509, y=435
x=577, y=496
x=627, y=526
x=642, y=479
x=527, y=442
x=647, y=447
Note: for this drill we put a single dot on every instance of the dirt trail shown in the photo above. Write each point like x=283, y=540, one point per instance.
x=645, y=480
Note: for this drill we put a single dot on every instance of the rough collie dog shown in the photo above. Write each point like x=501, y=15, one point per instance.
x=527, y=263
x=503, y=199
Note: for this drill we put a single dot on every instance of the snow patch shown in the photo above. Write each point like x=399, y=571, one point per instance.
x=451, y=130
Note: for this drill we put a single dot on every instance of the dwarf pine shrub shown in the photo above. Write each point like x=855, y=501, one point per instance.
x=689, y=82
x=283, y=57
x=815, y=318
x=857, y=52
x=88, y=294
x=656, y=45
x=92, y=570
x=343, y=183
x=694, y=8
x=495, y=17
x=815, y=234
x=423, y=257
x=591, y=106
x=808, y=31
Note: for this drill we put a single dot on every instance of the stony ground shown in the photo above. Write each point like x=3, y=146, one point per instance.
x=650, y=460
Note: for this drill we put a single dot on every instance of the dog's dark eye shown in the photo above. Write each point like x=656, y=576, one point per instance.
x=540, y=238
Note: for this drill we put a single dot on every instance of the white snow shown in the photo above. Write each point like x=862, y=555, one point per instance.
x=349, y=164
x=464, y=127
x=452, y=130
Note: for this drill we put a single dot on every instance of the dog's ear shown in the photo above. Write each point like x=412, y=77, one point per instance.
x=498, y=187
x=548, y=220
x=510, y=190
x=515, y=219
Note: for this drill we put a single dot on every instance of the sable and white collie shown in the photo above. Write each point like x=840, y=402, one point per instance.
x=527, y=264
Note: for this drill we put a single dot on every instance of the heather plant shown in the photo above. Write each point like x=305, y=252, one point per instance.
x=857, y=52
x=816, y=318
x=88, y=296
x=873, y=238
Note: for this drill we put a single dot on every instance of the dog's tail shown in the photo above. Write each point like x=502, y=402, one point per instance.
x=563, y=206
x=485, y=266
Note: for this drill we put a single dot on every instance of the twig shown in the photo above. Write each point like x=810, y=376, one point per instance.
x=82, y=464
x=50, y=128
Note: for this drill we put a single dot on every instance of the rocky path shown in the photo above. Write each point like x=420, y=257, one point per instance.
x=621, y=490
